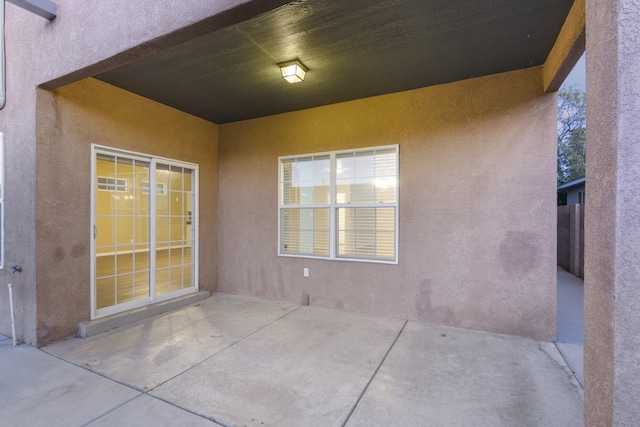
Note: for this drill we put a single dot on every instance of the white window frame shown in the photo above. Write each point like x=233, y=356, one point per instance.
x=153, y=160
x=333, y=207
x=2, y=191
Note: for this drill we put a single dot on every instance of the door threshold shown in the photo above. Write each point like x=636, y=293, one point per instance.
x=104, y=324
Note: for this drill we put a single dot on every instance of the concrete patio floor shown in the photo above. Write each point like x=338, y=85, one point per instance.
x=239, y=361
x=570, y=340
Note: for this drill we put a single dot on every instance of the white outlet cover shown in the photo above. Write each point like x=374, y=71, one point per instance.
x=306, y=272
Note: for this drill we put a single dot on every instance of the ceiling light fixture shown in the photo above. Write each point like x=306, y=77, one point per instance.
x=293, y=71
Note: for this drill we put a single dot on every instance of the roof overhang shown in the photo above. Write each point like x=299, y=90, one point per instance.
x=354, y=49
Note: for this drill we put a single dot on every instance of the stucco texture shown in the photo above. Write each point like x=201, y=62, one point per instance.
x=612, y=251
x=477, y=239
x=69, y=120
x=85, y=39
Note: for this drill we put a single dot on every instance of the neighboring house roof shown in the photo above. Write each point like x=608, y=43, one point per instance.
x=574, y=183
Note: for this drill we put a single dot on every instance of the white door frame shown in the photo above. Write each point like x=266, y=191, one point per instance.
x=153, y=161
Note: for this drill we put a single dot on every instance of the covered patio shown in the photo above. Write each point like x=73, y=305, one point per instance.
x=473, y=120
x=240, y=361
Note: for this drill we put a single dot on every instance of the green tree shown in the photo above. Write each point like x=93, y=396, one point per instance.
x=572, y=109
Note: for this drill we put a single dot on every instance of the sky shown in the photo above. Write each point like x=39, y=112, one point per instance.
x=578, y=75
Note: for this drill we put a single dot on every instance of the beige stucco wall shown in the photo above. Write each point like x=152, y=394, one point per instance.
x=69, y=120
x=477, y=242
x=86, y=38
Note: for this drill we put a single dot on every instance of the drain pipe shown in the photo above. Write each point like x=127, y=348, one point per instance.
x=3, y=89
x=13, y=316
x=44, y=8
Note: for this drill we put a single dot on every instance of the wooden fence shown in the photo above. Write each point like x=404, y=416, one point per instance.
x=571, y=238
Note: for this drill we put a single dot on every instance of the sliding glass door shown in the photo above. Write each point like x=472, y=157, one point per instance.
x=174, y=232
x=144, y=239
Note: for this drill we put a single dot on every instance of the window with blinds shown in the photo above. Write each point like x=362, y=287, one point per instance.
x=340, y=205
x=112, y=184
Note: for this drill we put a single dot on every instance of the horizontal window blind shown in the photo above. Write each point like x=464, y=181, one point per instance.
x=340, y=205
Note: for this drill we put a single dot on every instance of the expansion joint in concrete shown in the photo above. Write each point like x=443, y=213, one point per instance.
x=147, y=391
x=568, y=363
x=182, y=408
x=126, y=402
x=226, y=348
x=366, y=387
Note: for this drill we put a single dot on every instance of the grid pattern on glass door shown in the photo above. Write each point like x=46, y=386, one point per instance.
x=145, y=239
x=174, y=236
x=121, y=231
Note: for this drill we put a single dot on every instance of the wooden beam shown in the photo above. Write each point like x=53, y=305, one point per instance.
x=567, y=50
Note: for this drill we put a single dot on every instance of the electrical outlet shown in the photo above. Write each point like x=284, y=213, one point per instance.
x=305, y=272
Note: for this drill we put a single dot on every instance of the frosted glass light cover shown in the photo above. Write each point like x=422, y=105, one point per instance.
x=293, y=71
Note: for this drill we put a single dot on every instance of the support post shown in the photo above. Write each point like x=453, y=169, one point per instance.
x=612, y=235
